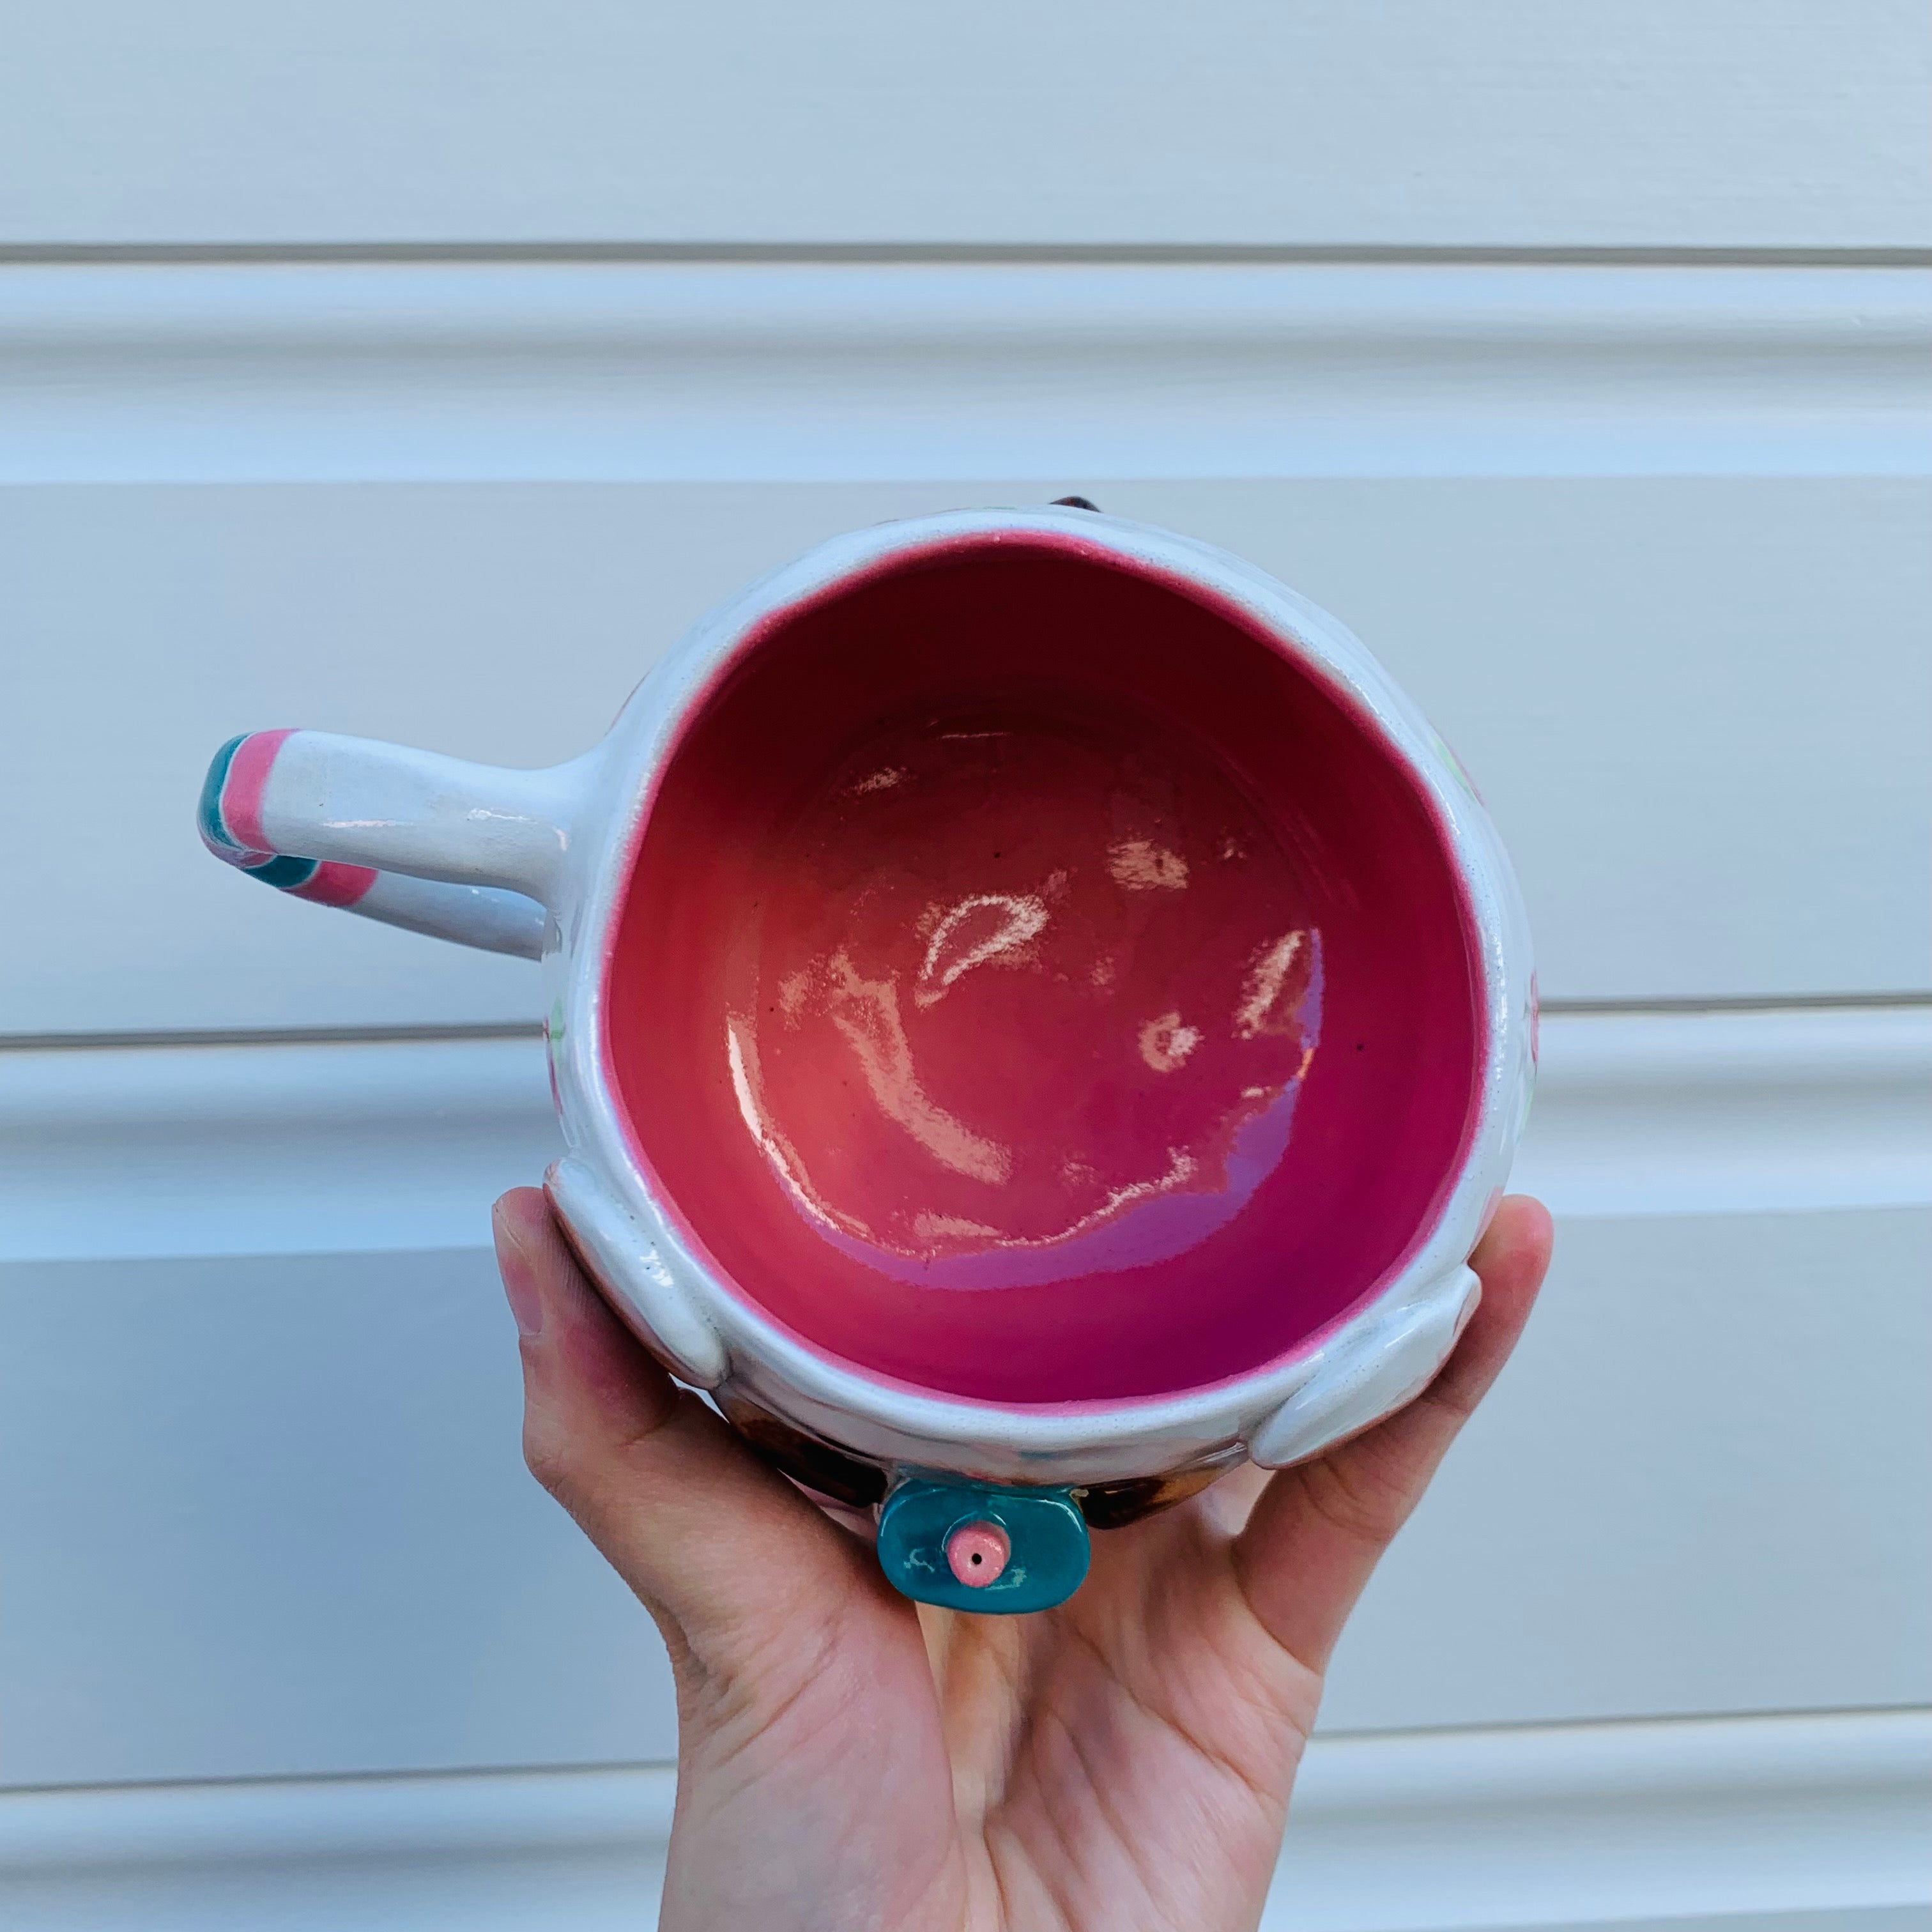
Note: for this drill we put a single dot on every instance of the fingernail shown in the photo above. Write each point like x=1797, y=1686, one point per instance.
x=520, y=1279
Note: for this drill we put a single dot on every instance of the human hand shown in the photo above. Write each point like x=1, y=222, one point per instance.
x=849, y=1760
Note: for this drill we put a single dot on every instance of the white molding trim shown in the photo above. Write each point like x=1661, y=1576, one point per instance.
x=347, y=1147
x=354, y=371
x=1635, y=1823
x=1791, y=1111
x=128, y=1153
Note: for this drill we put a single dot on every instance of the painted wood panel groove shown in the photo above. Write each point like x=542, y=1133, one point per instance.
x=355, y=1036
x=288, y=1036
x=188, y=254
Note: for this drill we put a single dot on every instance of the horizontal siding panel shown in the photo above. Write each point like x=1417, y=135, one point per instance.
x=1693, y=703
x=268, y=1517
x=1684, y=1480
x=1754, y=123
x=278, y=1520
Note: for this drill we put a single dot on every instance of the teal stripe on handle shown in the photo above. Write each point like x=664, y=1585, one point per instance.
x=283, y=873
x=209, y=812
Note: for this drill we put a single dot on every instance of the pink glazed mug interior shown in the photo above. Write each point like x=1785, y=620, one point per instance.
x=1035, y=986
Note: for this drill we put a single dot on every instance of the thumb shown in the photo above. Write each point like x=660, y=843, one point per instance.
x=700, y=1529
x=1319, y=1527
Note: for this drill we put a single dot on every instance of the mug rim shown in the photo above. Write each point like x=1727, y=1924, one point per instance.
x=859, y=1407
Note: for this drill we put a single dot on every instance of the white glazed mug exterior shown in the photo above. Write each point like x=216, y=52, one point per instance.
x=538, y=863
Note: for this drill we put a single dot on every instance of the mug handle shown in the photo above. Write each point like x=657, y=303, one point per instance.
x=460, y=851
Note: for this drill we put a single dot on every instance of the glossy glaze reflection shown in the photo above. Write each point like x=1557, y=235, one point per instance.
x=1026, y=999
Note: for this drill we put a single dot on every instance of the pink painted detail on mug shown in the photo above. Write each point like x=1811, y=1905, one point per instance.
x=241, y=805
x=1041, y=988
x=335, y=884
x=977, y=1554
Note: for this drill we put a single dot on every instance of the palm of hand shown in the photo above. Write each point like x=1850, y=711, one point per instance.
x=848, y=1760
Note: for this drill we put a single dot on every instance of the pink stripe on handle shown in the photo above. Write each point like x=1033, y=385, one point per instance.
x=247, y=776
x=335, y=884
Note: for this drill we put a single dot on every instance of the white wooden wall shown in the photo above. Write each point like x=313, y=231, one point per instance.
x=420, y=372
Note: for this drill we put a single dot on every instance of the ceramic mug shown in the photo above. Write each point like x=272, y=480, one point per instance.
x=1036, y=1017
